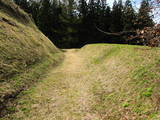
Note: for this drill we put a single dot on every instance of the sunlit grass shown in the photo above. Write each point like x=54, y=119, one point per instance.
x=122, y=84
x=25, y=53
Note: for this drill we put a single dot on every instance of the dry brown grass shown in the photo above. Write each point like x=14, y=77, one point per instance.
x=25, y=53
x=11, y=9
x=97, y=82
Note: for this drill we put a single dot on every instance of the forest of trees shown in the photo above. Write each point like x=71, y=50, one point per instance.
x=72, y=23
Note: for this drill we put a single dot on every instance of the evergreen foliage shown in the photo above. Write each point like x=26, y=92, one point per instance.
x=117, y=16
x=73, y=24
x=144, y=18
x=129, y=16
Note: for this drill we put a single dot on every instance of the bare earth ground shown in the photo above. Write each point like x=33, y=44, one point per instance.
x=67, y=96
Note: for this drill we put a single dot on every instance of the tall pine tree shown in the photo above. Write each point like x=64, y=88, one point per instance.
x=24, y=4
x=129, y=16
x=117, y=17
x=44, y=17
x=144, y=15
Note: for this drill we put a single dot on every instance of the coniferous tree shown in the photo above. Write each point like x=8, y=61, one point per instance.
x=83, y=9
x=66, y=29
x=104, y=16
x=129, y=16
x=144, y=18
x=107, y=18
x=117, y=16
x=24, y=4
x=34, y=10
x=56, y=23
x=71, y=8
x=69, y=24
x=44, y=17
x=120, y=16
x=83, y=21
x=114, y=16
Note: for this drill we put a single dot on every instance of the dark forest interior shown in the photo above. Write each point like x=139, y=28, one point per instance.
x=73, y=24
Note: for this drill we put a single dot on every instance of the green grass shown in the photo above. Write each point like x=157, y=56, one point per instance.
x=136, y=72
x=123, y=82
x=25, y=53
x=99, y=81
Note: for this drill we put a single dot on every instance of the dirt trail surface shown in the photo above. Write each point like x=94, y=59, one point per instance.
x=65, y=94
x=74, y=102
x=96, y=82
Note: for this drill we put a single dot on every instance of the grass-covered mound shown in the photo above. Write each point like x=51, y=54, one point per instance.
x=25, y=53
x=129, y=82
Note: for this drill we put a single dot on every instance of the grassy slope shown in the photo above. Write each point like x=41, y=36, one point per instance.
x=25, y=53
x=98, y=82
x=130, y=83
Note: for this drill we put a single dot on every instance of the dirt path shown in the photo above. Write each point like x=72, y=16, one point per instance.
x=64, y=95
x=76, y=99
x=71, y=62
x=75, y=90
x=96, y=82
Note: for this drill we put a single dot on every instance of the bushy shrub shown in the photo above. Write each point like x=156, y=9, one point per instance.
x=150, y=36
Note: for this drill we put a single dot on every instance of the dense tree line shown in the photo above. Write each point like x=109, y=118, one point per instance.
x=73, y=24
